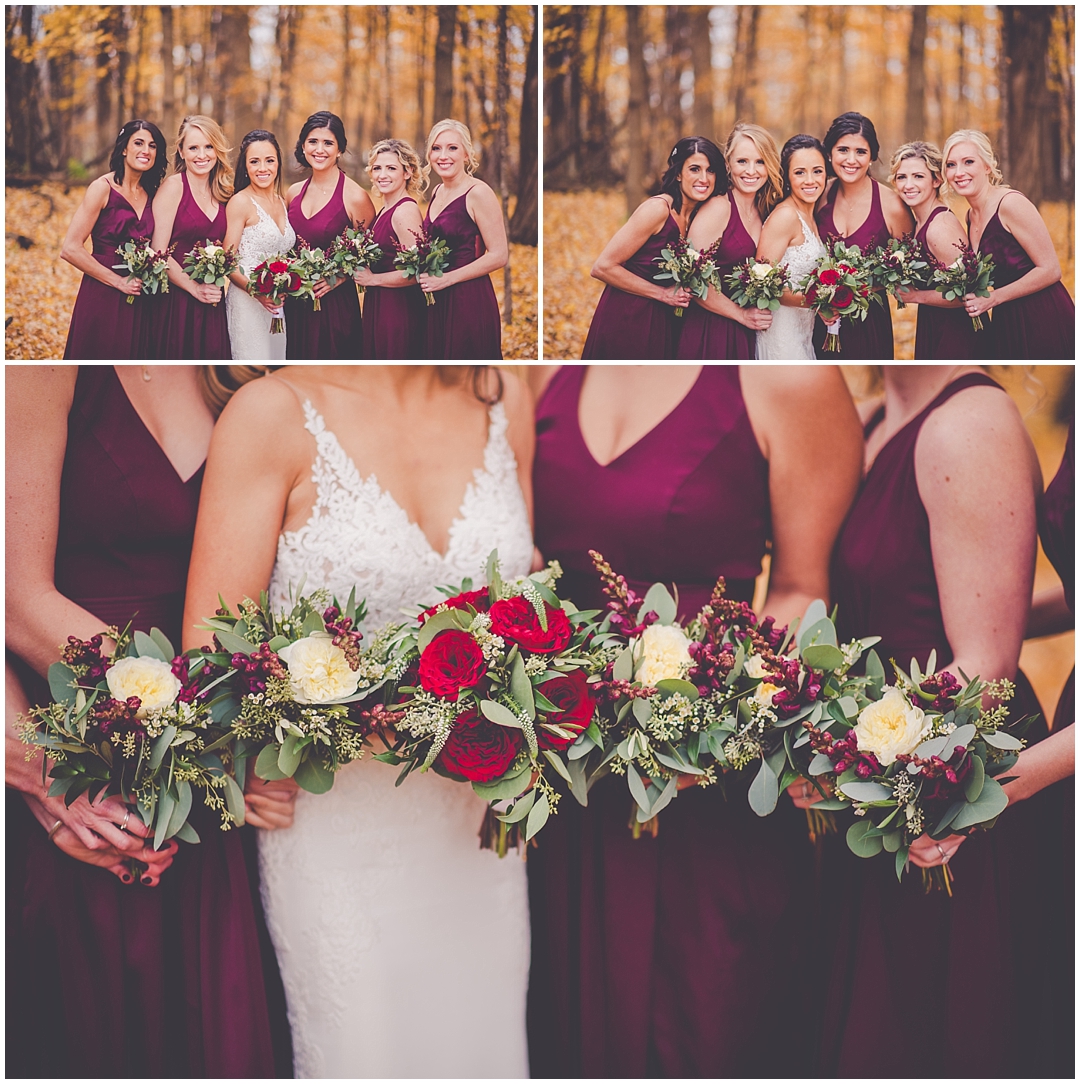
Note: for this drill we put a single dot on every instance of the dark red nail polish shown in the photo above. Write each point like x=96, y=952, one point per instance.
x=147, y=880
x=126, y=878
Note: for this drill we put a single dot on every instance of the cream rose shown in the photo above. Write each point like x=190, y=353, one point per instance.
x=664, y=654
x=760, y=270
x=755, y=667
x=318, y=669
x=891, y=726
x=764, y=693
x=211, y=250
x=151, y=680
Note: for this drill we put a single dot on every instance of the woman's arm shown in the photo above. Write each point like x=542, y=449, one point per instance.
x=780, y=231
x=945, y=238
x=484, y=208
x=74, y=250
x=898, y=216
x=407, y=222
x=521, y=432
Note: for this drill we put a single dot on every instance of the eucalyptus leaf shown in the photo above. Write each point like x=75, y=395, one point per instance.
x=997, y=738
x=160, y=746
x=974, y=785
x=637, y=788
x=61, y=683
x=862, y=844
x=180, y=810
x=849, y=706
x=146, y=647
x=499, y=713
x=875, y=672
x=814, y=613
x=579, y=786
x=676, y=764
x=166, y=804
x=893, y=840
x=234, y=644
x=670, y=686
x=521, y=688
x=821, y=631
x=669, y=792
x=901, y=862
x=932, y=748
x=865, y=791
x=555, y=761
x=187, y=833
x=313, y=775
x=949, y=816
x=581, y=748
x=510, y=786
x=521, y=809
x=436, y=623
x=289, y=755
x=824, y=657
x=623, y=670
x=764, y=791
x=642, y=710
x=266, y=763
x=658, y=599
x=991, y=802
x=164, y=643
x=820, y=764
x=962, y=735
x=313, y=623
x=279, y=642
x=538, y=816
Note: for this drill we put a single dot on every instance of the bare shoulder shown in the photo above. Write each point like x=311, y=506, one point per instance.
x=1015, y=207
x=517, y=398
x=481, y=195
x=29, y=387
x=890, y=200
x=538, y=377
x=293, y=191
x=945, y=229
x=977, y=427
x=266, y=404
x=796, y=389
x=172, y=185
x=783, y=217
x=97, y=191
x=653, y=213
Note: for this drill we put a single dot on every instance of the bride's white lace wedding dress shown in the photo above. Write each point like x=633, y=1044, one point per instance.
x=790, y=336
x=249, y=322
x=403, y=947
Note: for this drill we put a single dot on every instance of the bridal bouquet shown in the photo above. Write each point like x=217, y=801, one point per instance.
x=312, y=266
x=135, y=723
x=274, y=280
x=293, y=682
x=901, y=265
x=352, y=250
x=917, y=756
x=430, y=254
x=139, y=260
x=210, y=264
x=498, y=694
x=697, y=271
x=840, y=285
x=970, y=273
x=757, y=284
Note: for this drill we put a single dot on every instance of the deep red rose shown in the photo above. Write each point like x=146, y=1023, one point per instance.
x=294, y=281
x=829, y=276
x=571, y=694
x=265, y=285
x=478, y=600
x=811, y=294
x=478, y=749
x=452, y=661
x=843, y=297
x=515, y=620
x=278, y=267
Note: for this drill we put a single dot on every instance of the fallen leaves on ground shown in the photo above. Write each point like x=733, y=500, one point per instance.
x=519, y=336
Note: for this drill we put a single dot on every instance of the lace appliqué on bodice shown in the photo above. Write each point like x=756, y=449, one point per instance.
x=800, y=260
x=790, y=336
x=263, y=240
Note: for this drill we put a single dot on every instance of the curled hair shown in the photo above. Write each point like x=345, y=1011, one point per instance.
x=150, y=179
x=221, y=176
x=850, y=124
x=982, y=145
x=410, y=162
x=219, y=383
x=486, y=380
x=258, y=135
x=684, y=149
x=772, y=191
x=798, y=143
x=918, y=148
x=322, y=119
x=472, y=156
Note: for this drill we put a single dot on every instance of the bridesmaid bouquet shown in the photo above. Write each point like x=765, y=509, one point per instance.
x=352, y=250
x=757, y=284
x=970, y=273
x=210, y=264
x=135, y=723
x=275, y=280
x=140, y=261
x=312, y=265
x=430, y=254
x=685, y=266
x=841, y=285
x=499, y=691
x=902, y=264
x=292, y=685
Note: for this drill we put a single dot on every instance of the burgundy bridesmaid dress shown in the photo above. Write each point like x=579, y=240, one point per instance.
x=943, y=334
x=124, y=980
x=626, y=327
x=187, y=329
x=706, y=335
x=394, y=318
x=464, y=324
x=870, y=339
x=1038, y=327
x=673, y=955
x=104, y=327
x=334, y=333
x=916, y=984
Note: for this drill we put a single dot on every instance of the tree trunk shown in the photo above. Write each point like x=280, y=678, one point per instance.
x=701, y=45
x=420, y=13
x=524, y=224
x=233, y=45
x=168, y=75
x=387, y=122
x=915, y=114
x=635, y=168
x=502, y=92
x=444, y=63
x=346, y=65
x=288, y=25
x=562, y=91
x=749, y=18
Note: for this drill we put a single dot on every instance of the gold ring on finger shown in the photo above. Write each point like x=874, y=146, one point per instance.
x=124, y=822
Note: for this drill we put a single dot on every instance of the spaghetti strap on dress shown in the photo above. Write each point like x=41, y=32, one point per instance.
x=943, y=334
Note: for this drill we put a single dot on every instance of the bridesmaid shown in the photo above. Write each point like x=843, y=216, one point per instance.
x=938, y=553
x=394, y=317
x=115, y=210
x=716, y=327
x=859, y=211
x=190, y=210
x=464, y=324
x=633, y=320
x=144, y=980
x=944, y=330
x=1033, y=314
x=673, y=956
x=320, y=208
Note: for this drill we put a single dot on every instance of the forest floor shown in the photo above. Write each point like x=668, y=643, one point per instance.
x=40, y=288
x=577, y=225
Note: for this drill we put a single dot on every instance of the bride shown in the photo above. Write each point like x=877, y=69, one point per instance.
x=257, y=226
x=790, y=237
x=403, y=947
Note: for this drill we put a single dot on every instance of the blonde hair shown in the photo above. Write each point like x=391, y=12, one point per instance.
x=772, y=191
x=928, y=152
x=221, y=176
x=982, y=145
x=472, y=159
x=409, y=159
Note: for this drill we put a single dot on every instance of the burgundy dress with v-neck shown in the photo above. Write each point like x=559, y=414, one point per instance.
x=464, y=324
x=708, y=335
x=863, y=340
x=184, y=328
x=943, y=334
x=663, y=956
x=334, y=333
x=394, y=318
x=103, y=325
x=113, y=980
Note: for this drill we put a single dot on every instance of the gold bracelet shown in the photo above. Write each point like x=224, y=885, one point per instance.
x=54, y=829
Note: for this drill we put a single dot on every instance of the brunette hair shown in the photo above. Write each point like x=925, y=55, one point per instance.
x=685, y=148
x=322, y=119
x=219, y=383
x=982, y=145
x=772, y=191
x=486, y=380
x=258, y=135
x=221, y=176
x=850, y=124
x=409, y=160
x=801, y=142
x=150, y=179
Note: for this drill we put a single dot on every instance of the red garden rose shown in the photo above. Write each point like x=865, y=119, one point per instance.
x=572, y=696
x=515, y=620
x=452, y=661
x=294, y=281
x=478, y=600
x=829, y=276
x=843, y=297
x=479, y=750
x=265, y=284
x=278, y=267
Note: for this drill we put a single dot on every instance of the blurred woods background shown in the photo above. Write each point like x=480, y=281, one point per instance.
x=75, y=74
x=621, y=84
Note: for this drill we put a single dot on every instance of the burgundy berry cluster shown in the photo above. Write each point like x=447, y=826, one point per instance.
x=345, y=636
